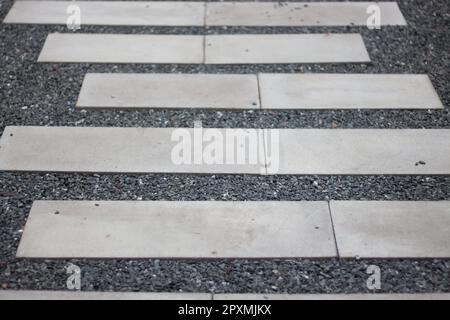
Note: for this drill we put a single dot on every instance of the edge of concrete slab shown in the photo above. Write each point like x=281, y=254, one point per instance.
x=357, y=296
x=94, y=295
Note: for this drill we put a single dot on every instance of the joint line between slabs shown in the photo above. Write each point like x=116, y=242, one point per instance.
x=332, y=227
x=258, y=87
x=263, y=130
x=205, y=6
x=204, y=34
x=204, y=50
x=265, y=151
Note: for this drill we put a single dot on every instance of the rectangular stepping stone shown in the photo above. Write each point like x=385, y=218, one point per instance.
x=347, y=91
x=364, y=151
x=392, y=229
x=122, y=13
x=105, y=295
x=125, y=90
x=128, y=150
x=96, y=295
x=170, y=150
x=299, y=13
x=285, y=48
x=173, y=229
x=122, y=48
x=356, y=296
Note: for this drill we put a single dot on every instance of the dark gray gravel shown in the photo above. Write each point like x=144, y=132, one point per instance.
x=45, y=94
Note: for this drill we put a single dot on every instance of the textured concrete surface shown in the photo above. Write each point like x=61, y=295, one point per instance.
x=170, y=150
x=138, y=150
x=206, y=91
x=95, y=295
x=45, y=95
x=299, y=13
x=347, y=91
x=172, y=229
x=118, y=13
x=392, y=229
x=359, y=151
x=436, y=296
x=122, y=48
x=285, y=48
x=169, y=13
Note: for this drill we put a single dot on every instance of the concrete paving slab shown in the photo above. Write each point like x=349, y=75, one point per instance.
x=347, y=91
x=392, y=229
x=110, y=13
x=94, y=295
x=170, y=150
x=174, y=229
x=122, y=48
x=207, y=91
x=378, y=296
x=131, y=150
x=299, y=13
x=364, y=151
x=285, y=48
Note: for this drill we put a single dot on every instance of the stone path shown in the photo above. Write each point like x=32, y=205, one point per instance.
x=209, y=229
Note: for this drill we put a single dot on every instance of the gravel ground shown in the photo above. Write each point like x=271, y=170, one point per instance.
x=45, y=94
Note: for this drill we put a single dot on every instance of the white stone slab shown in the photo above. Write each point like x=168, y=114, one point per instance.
x=378, y=296
x=122, y=48
x=145, y=13
x=299, y=13
x=288, y=151
x=94, y=295
x=347, y=91
x=392, y=229
x=128, y=150
x=364, y=151
x=189, y=229
x=285, y=48
x=216, y=91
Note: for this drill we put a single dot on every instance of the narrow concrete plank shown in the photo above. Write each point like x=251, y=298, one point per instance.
x=347, y=91
x=364, y=151
x=94, y=295
x=122, y=48
x=215, y=91
x=285, y=48
x=173, y=229
x=291, y=151
x=124, y=150
x=378, y=296
x=392, y=229
x=299, y=13
x=113, y=13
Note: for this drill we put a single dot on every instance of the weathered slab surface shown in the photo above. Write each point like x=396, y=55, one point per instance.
x=207, y=91
x=347, y=91
x=174, y=229
x=122, y=48
x=285, y=48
